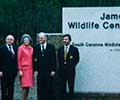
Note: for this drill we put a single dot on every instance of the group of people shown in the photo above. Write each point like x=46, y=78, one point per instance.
x=39, y=60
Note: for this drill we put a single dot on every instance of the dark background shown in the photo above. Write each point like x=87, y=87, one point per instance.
x=33, y=16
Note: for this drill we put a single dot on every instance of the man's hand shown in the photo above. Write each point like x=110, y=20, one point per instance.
x=1, y=74
x=52, y=73
x=35, y=73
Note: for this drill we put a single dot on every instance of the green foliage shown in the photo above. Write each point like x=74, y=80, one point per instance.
x=32, y=16
x=55, y=40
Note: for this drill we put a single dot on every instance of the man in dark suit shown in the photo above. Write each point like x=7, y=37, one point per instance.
x=8, y=68
x=68, y=57
x=44, y=58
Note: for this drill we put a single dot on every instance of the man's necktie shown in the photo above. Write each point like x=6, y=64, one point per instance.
x=43, y=49
x=10, y=49
x=65, y=53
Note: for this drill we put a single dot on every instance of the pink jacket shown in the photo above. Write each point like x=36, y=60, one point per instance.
x=25, y=57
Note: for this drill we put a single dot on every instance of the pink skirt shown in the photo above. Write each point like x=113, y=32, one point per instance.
x=26, y=80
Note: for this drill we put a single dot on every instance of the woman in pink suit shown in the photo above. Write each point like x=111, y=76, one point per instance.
x=25, y=53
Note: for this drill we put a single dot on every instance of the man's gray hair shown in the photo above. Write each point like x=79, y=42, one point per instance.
x=41, y=34
x=10, y=36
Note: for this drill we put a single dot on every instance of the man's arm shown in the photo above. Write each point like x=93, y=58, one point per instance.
x=53, y=55
x=1, y=71
x=35, y=67
x=77, y=57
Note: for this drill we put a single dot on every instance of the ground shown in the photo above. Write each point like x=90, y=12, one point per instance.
x=33, y=93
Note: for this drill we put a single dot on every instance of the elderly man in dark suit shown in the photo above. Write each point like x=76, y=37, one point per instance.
x=8, y=68
x=68, y=57
x=44, y=58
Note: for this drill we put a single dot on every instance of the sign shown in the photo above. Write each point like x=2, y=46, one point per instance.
x=95, y=31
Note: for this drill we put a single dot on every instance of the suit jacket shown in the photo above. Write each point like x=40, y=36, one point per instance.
x=8, y=65
x=44, y=63
x=72, y=59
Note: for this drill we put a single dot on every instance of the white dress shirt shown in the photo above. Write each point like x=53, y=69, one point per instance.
x=11, y=48
x=66, y=47
x=45, y=44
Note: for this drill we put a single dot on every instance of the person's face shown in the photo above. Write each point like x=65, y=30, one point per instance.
x=10, y=40
x=66, y=40
x=26, y=41
x=42, y=39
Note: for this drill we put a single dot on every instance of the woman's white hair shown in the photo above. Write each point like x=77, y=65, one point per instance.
x=25, y=36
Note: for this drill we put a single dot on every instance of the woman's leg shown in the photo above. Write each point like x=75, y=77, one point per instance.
x=25, y=92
